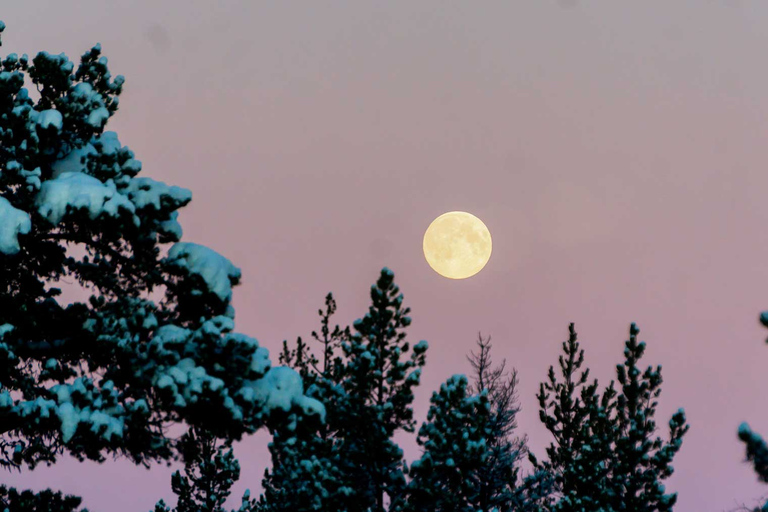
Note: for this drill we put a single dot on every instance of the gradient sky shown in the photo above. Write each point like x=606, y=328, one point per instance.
x=615, y=150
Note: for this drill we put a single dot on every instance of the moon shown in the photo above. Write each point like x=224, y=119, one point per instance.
x=457, y=245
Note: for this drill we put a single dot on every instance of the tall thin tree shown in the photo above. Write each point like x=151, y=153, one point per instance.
x=500, y=472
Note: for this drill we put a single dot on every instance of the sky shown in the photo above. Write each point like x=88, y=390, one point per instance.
x=615, y=150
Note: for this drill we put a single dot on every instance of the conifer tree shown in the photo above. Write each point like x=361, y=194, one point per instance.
x=365, y=379
x=605, y=456
x=210, y=470
x=500, y=473
x=449, y=475
x=642, y=461
x=565, y=408
x=380, y=386
x=306, y=472
x=152, y=343
x=471, y=456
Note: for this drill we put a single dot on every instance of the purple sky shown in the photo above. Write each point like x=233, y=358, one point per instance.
x=616, y=153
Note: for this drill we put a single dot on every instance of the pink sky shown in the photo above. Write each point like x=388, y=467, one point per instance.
x=616, y=152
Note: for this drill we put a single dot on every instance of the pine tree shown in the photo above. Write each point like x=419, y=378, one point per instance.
x=642, y=460
x=500, y=473
x=565, y=408
x=449, y=475
x=210, y=470
x=366, y=381
x=380, y=389
x=306, y=472
x=152, y=345
x=605, y=456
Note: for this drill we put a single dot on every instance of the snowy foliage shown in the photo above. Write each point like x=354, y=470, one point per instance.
x=216, y=272
x=15, y=222
x=448, y=475
x=365, y=378
x=471, y=454
x=152, y=344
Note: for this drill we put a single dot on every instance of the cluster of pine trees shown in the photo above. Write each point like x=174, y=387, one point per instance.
x=605, y=455
x=152, y=345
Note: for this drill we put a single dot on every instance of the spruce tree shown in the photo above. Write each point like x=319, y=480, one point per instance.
x=152, y=344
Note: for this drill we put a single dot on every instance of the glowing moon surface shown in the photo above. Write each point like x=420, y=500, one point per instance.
x=457, y=245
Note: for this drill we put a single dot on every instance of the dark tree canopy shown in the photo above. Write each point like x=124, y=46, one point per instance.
x=145, y=337
x=365, y=376
x=606, y=455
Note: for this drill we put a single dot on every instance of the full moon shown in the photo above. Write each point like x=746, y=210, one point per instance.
x=457, y=245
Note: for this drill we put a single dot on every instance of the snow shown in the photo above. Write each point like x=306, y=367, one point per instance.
x=5, y=329
x=13, y=222
x=69, y=419
x=83, y=92
x=281, y=388
x=98, y=117
x=170, y=334
x=218, y=273
x=172, y=227
x=48, y=118
x=187, y=381
x=75, y=190
x=75, y=161
x=145, y=192
x=113, y=426
x=744, y=430
x=110, y=144
x=105, y=144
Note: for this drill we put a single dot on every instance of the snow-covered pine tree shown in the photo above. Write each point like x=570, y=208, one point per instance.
x=379, y=385
x=306, y=473
x=499, y=474
x=642, y=461
x=146, y=340
x=449, y=475
x=366, y=381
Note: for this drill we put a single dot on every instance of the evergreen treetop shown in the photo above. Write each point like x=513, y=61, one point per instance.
x=365, y=379
x=606, y=456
